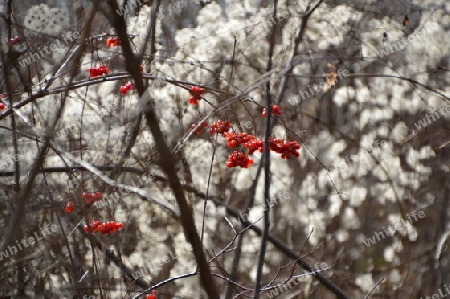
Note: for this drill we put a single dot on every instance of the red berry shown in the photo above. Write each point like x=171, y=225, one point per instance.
x=98, y=71
x=69, y=207
x=93, y=72
x=275, y=110
x=130, y=86
x=112, y=42
x=234, y=139
x=96, y=225
x=197, y=90
x=13, y=41
x=123, y=89
x=97, y=196
x=153, y=295
x=220, y=127
x=103, y=228
x=254, y=145
x=238, y=159
x=286, y=149
x=88, y=198
x=193, y=101
x=103, y=69
x=2, y=106
x=200, y=128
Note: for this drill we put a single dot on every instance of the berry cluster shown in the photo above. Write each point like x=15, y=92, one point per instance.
x=127, y=87
x=286, y=149
x=238, y=159
x=91, y=197
x=70, y=207
x=112, y=42
x=98, y=71
x=200, y=129
x=2, y=106
x=275, y=110
x=13, y=41
x=196, y=94
x=254, y=145
x=152, y=295
x=220, y=127
x=103, y=227
x=235, y=140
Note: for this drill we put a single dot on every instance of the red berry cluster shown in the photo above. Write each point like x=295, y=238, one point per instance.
x=70, y=207
x=234, y=139
x=220, y=127
x=200, y=129
x=2, y=106
x=13, y=41
x=275, y=110
x=196, y=94
x=98, y=71
x=254, y=145
x=152, y=295
x=127, y=87
x=103, y=227
x=286, y=149
x=239, y=159
x=91, y=197
x=112, y=42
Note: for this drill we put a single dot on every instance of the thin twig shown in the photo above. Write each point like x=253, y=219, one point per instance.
x=368, y=295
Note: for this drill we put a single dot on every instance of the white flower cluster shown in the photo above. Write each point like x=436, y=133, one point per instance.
x=43, y=19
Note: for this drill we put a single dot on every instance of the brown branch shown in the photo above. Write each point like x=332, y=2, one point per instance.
x=26, y=192
x=166, y=156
